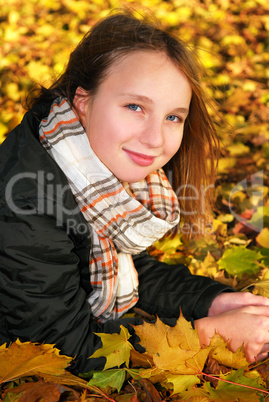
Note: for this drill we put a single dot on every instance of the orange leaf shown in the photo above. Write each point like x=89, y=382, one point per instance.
x=27, y=359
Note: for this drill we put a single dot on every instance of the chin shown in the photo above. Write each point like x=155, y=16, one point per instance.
x=135, y=176
x=130, y=179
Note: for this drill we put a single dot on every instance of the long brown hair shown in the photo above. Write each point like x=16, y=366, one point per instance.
x=192, y=168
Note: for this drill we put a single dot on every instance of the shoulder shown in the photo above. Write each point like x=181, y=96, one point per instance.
x=31, y=180
x=22, y=143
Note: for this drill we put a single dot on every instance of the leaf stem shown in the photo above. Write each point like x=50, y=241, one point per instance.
x=99, y=391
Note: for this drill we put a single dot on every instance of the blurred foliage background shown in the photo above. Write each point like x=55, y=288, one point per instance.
x=231, y=38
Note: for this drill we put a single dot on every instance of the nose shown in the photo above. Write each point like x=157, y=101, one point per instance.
x=153, y=134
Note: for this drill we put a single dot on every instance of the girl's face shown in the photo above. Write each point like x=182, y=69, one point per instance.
x=135, y=121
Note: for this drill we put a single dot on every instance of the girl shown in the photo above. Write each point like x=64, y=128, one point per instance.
x=83, y=194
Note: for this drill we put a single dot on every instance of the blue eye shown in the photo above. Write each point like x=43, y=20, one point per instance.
x=172, y=117
x=134, y=107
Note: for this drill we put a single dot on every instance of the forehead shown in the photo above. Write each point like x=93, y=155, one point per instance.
x=139, y=58
x=145, y=70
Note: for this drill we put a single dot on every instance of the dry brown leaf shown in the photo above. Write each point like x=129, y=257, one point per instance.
x=263, y=369
x=22, y=359
x=146, y=390
x=41, y=390
x=140, y=359
x=213, y=367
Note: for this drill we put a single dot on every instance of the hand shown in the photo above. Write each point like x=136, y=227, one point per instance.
x=248, y=325
x=229, y=301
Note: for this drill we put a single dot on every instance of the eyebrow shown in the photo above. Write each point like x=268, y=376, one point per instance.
x=136, y=97
x=150, y=101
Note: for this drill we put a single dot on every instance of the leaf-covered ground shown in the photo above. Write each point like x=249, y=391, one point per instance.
x=232, y=41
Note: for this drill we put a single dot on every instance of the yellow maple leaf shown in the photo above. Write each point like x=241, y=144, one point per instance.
x=116, y=348
x=151, y=335
x=175, y=349
x=182, y=384
x=184, y=335
x=224, y=356
x=22, y=359
x=196, y=364
x=173, y=359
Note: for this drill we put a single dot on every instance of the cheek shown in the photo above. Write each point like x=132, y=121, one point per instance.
x=110, y=128
x=98, y=132
x=173, y=145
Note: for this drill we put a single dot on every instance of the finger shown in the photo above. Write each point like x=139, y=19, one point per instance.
x=265, y=348
x=257, y=310
x=262, y=356
x=257, y=300
x=255, y=352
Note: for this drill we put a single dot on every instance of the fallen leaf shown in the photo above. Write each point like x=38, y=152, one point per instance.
x=263, y=369
x=237, y=389
x=239, y=261
x=263, y=238
x=115, y=348
x=168, y=245
x=113, y=379
x=175, y=349
x=67, y=379
x=183, y=335
x=154, y=374
x=22, y=359
x=221, y=353
x=72, y=380
x=151, y=335
x=213, y=367
x=140, y=359
x=261, y=287
x=174, y=359
x=39, y=391
x=220, y=277
x=182, y=384
x=146, y=391
x=209, y=266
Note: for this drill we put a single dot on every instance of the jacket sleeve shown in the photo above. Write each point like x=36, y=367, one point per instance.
x=41, y=295
x=164, y=289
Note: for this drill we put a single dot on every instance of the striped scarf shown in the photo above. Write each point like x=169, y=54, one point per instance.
x=124, y=218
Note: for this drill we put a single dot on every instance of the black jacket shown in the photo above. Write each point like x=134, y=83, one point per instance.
x=44, y=253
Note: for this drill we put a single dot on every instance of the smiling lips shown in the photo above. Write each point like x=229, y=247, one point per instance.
x=140, y=159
